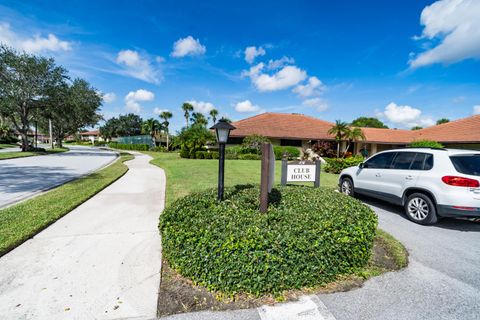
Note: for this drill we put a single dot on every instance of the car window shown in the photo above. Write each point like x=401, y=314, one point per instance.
x=417, y=163
x=380, y=161
x=403, y=160
x=467, y=164
x=428, y=162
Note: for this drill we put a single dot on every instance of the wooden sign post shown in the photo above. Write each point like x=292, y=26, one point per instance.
x=267, y=175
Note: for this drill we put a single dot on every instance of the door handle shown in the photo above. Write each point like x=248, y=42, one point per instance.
x=378, y=175
x=409, y=177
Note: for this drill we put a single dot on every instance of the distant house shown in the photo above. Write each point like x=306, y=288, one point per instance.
x=91, y=136
x=302, y=131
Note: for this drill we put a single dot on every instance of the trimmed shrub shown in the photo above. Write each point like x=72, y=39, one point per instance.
x=308, y=237
x=208, y=155
x=426, y=144
x=8, y=140
x=249, y=156
x=192, y=154
x=336, y=165
x=200, y=154
x=157, y=149
x=292, y=152
x=214, y=154
x=253, y=143
x=184, y=154
x=125, y=146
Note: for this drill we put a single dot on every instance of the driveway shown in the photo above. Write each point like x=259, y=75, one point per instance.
x=100, y=261
x=442, y=280
x=22, y=178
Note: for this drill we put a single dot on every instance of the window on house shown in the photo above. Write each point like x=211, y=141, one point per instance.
x=290, y=143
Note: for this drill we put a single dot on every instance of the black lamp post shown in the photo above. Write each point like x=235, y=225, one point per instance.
x=222, y=131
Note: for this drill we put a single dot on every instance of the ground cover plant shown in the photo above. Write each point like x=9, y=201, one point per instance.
x=308, y=237
x=336, y=165
x=22, y=221
x=188, y=175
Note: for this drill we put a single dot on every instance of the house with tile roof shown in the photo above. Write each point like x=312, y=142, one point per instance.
x=302, y=131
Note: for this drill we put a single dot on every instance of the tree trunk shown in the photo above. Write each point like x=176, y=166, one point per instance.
x=186, y=120
x=59, y=142
x=167, y=141
x=338, y=149
x=24, y=141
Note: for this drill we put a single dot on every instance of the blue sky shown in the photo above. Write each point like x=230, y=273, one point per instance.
x=409, y=62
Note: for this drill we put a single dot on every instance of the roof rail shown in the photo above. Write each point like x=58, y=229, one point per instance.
x=433, y=148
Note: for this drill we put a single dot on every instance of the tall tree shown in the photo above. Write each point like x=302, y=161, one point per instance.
x=199, y=118
x=129, y=125
x=25, y=81
x=151, y=127
x=214, y=114
x=442, y=121
x=187, y=108
x=354, y=134
x=368, y=122
x=339, y=131
x=166, y=115
x=71, y=108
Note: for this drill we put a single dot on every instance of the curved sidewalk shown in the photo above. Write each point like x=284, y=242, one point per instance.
x=22, y=178
x=101, y=261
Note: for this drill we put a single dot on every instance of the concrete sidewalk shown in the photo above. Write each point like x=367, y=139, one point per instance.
x=101, y=261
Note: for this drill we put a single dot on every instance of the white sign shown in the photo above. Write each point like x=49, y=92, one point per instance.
x=304, y=172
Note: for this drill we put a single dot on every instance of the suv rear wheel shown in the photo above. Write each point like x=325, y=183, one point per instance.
x=420, y=209
x=346, y=187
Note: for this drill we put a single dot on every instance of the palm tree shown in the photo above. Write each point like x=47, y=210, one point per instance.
x=214, y=114
x=187, y=108
x=151, y=127
x=165, y=115
x=339, y=130
x=199, y=118
x=354, y=134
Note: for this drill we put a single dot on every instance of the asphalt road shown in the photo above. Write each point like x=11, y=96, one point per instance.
x=22, y=178
x=442, y=280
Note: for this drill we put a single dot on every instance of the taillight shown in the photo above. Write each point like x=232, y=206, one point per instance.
x=461, y=182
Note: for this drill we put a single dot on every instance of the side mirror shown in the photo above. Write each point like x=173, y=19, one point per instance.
x=361, y=165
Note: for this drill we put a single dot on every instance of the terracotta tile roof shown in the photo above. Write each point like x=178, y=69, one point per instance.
x=283, y=125
x=299, y=126
x=462, y=130
x=90, y=133
x=393, y=136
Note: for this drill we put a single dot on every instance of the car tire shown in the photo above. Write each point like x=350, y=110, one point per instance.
x=346, y=187
x=420, y=209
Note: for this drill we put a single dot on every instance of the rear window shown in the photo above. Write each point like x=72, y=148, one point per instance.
x=467, y=164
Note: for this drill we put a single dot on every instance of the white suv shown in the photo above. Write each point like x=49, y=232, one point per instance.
x=429, y=183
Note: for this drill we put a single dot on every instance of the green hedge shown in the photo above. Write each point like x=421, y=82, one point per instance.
x=308, y=237
x=292, y=152
x=425, y=144
x=249, y=156
x=336, y=165
x=124, y=146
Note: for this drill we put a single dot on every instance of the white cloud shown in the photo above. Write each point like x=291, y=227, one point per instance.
x=252, y=52
x=201, y=106
x=286, y=77
x=187, y=47
x=158, y=111
x=476, y=109
x=35, y=44
x=138, y=66
x=313, y=87
x=276, y=64
x=317, y=103
x=109, y=97
x=246, y=106
x=133, y=97
x=456, y=24
x=405, y=116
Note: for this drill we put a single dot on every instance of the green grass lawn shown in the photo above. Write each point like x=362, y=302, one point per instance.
x=19, y=154
x=7, y=145
x=22, y=221
x=187, y=175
